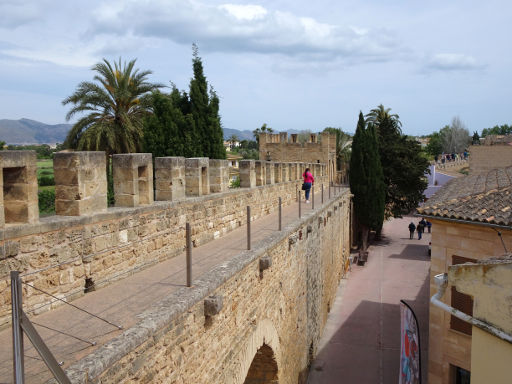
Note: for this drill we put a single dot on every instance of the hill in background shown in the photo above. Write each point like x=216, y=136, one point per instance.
x=25, y=131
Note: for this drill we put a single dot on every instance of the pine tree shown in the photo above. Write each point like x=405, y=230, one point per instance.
x=366, y=180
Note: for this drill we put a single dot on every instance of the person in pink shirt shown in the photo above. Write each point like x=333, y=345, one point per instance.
x=309, y=180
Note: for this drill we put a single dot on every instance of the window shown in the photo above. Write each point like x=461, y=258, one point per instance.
x=461, y=302
x=459, y=375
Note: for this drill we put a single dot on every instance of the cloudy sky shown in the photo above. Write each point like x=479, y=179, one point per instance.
x=292, y=64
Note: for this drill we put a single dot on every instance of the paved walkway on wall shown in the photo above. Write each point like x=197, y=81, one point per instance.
x=122, y=301
x=361, y=341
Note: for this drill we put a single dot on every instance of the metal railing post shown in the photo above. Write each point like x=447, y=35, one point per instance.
x=17, y=332
x=322, y=193
x=280, y=213
x=188, y=237
x=312, y=197
x=329, y=191
x=300, y=205
x=249, y=228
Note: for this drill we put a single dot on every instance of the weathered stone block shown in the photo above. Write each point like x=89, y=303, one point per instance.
x=133, y=176
x=80, y=182
x=278, y=172
x=170, y=178
x=212, y=305
x=197, y=176
x=260, y=169
x=219, y=175
x=247, y=173
x=19, y=187
x=265, y=263
x=270, y=173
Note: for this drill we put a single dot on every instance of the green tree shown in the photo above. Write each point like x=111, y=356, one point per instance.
x=204, y=107
x=115, y=106
x=378, y=114
x=404, y=166
x=366, y=180
x=2, y=145
x=262, y=129
x=343, y=146
x=455, y=137
x=476, y=138
x=435, y=144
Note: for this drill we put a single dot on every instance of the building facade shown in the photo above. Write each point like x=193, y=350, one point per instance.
x=471, y=222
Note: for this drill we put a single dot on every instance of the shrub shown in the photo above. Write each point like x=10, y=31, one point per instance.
x=235, y=183
x=46, y=180
x=46, y=201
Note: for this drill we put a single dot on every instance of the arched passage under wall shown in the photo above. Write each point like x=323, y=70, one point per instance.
x=263, y=369
x=263, y=338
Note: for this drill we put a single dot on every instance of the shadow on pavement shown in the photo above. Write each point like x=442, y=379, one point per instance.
x=357, y=349
x=413, y=252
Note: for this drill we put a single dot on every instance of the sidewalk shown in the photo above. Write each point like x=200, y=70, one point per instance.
x=122, y=301
x=361, y=341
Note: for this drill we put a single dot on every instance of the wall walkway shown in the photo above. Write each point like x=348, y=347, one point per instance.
x=164, y=321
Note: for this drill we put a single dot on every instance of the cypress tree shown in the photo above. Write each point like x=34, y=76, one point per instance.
x=366, y=180
x=217, y=149
x=199, y=103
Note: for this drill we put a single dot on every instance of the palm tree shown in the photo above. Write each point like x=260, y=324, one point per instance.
x=115, y=106
x=263, y=129
x=378, y=114
x=233, y=140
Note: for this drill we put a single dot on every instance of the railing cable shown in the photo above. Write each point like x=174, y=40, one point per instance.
x=73, y=305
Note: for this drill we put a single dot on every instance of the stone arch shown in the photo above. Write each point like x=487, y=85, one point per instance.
x=261, y=346
x=263, y=369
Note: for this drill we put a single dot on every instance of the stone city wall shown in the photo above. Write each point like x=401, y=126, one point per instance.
x=318, y=148
x=65, y=255
x=483, y=158
x=273, y=299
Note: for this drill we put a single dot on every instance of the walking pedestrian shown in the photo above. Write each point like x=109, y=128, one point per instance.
x=412, y=228
x=309, y=180
x=429, y=226
x=419, y=229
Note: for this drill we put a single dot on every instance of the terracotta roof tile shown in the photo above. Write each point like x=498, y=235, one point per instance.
x=484, y=197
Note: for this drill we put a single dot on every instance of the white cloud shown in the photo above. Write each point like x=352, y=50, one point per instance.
x=453, y=62
x=243, y=28
x=244, y=12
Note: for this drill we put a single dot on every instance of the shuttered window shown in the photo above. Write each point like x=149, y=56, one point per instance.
x=462, y=302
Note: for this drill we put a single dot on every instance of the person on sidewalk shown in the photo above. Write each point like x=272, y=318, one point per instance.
x=420, y=228
x=309, y=180
x=429, y=226
x=412, y=228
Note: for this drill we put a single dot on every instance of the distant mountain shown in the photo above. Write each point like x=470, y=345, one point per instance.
x=242, y=135
x=25, y=131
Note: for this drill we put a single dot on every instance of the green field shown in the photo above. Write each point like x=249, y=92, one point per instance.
x=44, y=167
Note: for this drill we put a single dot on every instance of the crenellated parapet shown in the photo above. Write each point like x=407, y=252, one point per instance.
x=18, y=192
x=80, y=183
x=316, y=148
x=133, y=179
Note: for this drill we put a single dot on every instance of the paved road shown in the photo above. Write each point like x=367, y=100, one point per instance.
x=361, y=342
x=441, y=179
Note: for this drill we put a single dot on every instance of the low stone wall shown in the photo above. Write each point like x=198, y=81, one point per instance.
x=273, y=299
x=64, y=255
